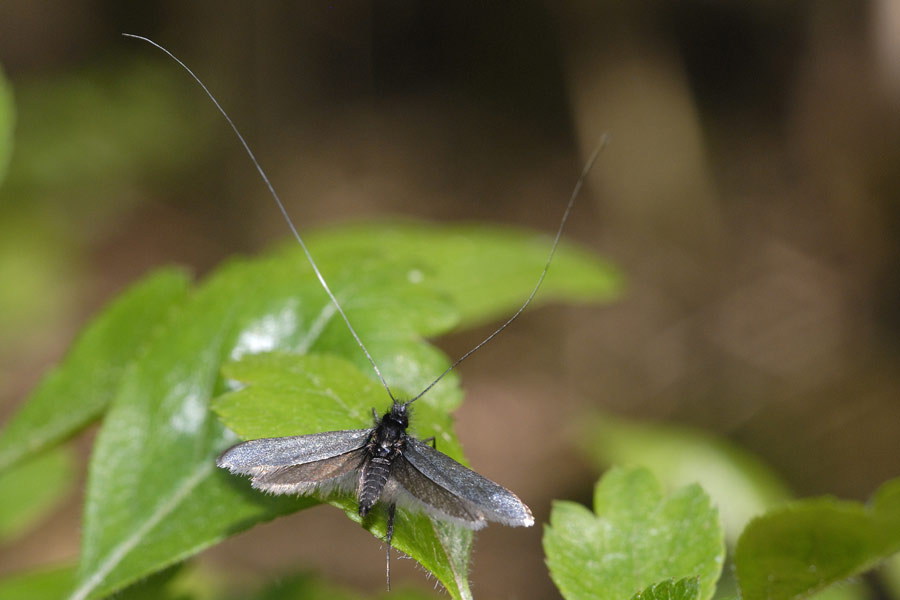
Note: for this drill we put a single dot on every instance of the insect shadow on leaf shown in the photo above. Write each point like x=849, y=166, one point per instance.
x=381, y=464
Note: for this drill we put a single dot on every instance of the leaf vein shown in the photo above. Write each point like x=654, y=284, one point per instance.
x=119, y=552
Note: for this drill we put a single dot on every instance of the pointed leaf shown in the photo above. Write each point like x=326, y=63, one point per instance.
x=78, y=390
x=154, y=495
x=54, y=583
x=487, y=271
x=804, y=546
x=634, y=537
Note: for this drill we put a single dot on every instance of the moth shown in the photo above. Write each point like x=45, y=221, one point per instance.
x=382, y=464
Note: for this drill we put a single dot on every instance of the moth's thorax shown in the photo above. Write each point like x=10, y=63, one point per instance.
x=396, y=416
x=390, y=433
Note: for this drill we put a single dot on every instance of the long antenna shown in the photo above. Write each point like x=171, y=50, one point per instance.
x=284, y=212
x=578, y=184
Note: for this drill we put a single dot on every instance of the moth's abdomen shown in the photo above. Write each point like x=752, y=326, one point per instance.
x=372, y=480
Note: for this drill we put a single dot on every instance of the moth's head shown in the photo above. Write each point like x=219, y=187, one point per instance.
x=398, y=415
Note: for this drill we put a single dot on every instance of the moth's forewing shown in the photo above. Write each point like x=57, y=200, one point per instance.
x=412, y=490
x=258, y=457
x=477, y=494
x=337, y=472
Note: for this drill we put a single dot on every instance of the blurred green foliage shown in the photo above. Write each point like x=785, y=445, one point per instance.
x=740, y=485
x=7, y=124
x=84, y=137
x=83, y=141
x=48, y=583
x=32, y=489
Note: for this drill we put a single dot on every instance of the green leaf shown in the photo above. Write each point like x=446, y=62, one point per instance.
x=740, y=485
x=486, y=271
x=634, y=537
x=7, y=124
x=687, y=588
x=77, y=391
x=804, y=546
x=54, y=583
x=32, y=489
x=154, y=495
x=162, y=585
x=441, y=548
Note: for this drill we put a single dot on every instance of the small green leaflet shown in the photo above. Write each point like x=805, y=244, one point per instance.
x=634, y=538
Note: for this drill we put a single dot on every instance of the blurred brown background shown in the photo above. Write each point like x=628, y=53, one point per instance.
x=749, y=194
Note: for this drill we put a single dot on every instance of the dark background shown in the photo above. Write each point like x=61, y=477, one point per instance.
x=750, y=194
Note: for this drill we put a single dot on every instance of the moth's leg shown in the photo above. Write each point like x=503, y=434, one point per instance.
x=430, y=440
x=375, y=414
x=390, y=534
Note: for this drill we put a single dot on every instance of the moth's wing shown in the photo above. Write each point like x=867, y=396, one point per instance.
x=411, y=489
x=337, y=472
x=478, y=495
x=258, y=457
